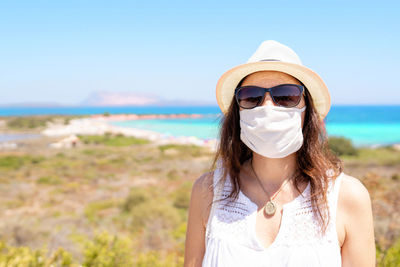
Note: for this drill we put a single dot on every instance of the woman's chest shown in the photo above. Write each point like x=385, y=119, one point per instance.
x=293, y=225
x=242, y=223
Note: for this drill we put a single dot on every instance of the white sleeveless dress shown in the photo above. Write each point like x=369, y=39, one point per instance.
x=231, y=239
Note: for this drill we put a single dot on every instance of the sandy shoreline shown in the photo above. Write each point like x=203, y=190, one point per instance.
x=99, y=125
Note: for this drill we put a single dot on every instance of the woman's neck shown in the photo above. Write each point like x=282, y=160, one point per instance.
x=274, y=171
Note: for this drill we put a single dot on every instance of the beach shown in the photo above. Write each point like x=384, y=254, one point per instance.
x=100, y=124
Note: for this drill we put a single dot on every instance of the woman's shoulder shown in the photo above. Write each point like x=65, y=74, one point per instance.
x=349, y=188
x=202, y=194
x=353, y=207
x=204, y=183
x=353, y=193
x=354, y=203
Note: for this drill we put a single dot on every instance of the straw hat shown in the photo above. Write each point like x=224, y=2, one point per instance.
x=274, y=56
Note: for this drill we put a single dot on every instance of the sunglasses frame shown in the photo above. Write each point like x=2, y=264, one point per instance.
x=301, y=87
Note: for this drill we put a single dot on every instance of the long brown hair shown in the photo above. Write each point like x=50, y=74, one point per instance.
x=315, y=161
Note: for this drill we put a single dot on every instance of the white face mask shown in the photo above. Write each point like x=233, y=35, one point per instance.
x=272, y=131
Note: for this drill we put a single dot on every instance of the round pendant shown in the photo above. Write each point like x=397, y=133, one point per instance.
x=270, y=208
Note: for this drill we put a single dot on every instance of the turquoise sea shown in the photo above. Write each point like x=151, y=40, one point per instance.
x=364, y=125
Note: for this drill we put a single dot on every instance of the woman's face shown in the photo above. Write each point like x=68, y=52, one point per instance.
x=269, y=79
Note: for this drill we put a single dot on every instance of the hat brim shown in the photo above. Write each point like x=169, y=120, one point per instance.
x=312, y=81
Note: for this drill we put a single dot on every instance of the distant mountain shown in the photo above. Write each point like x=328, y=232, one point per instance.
x=103, y=98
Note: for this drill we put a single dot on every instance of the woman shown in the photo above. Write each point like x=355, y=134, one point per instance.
x=277, y=196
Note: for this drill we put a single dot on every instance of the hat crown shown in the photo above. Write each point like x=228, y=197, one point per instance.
x=272, y=50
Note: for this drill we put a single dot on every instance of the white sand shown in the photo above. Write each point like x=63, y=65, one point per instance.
x=99, y=126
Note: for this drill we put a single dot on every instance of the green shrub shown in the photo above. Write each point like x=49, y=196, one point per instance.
x=107, y=250
x=92, y=209
x=179, y=234
x=60, y=155
x=137, y=196
x=11, y=162
x=49, y=180
x=112, y=140
x=35, y=159
x=155, y=259
x=342, y=146
x=16, y=162
x=381, y=155
x=179, y=150
x=154, y=212
x=25, y=256
x=182, y=196
x=390, y=257
x=117, y=160
x=142, y=158
x=98, y=153
x=28, y=122
x=173, y=175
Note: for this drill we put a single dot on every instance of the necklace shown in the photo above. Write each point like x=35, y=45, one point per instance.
x=270, y=207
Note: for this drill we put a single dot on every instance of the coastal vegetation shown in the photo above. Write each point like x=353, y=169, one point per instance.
x=115, y=200
x=109, y=140
x=33, y=122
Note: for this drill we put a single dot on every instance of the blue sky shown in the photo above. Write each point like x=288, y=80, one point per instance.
x=61, y=51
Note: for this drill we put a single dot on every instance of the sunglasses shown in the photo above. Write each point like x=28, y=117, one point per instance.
x=285, y=95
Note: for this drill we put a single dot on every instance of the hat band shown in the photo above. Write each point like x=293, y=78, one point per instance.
x=269, y=60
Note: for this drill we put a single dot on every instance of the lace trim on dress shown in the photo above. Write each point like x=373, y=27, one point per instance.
x=235, y=220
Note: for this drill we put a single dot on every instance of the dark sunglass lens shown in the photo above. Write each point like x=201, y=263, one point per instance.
x=249, y=97
x=286, y=95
